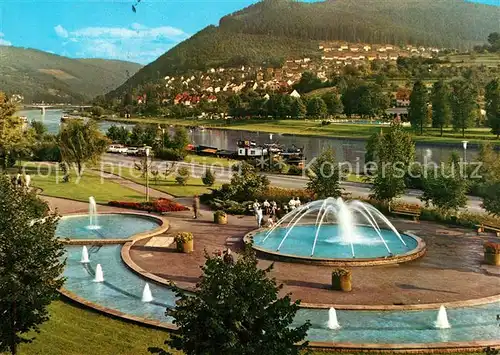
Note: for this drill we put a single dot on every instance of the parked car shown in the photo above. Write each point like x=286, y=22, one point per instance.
x=141, y=152
x=133, y=151
x=117, y=148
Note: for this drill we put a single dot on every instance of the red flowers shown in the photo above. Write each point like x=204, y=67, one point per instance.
x=160, y=205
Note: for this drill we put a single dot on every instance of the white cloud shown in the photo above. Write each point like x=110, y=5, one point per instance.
x=4, y=42
x=137, y=43
x=61, y=31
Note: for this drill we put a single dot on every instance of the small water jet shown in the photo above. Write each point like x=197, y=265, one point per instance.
x=85, y=255
x=99, y=275
x=442, y=319
x=93, y=214
x=146, y=294
x=333, y=322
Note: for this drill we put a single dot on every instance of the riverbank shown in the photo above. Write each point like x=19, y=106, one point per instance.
x=314, y=128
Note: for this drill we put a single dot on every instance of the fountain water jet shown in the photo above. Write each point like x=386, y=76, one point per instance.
x=92, y=214
x=333, y=322
x=442, y=319
x=99, y=275
x=146, y=294
x=85, y=255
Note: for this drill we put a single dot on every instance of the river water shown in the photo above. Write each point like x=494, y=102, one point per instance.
x=350, y=150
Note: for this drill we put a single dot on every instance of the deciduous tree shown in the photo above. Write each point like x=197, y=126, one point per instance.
x=463, y=104
x=441, y=109
x=236, y=310
x=31, y=264
x=492, y=98
x=417, y=111
x=324, y=176
x=316, y=107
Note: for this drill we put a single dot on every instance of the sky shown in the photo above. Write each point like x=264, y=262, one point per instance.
x=109, y=28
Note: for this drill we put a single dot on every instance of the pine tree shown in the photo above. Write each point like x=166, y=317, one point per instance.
x=492, y=98
x=441, y=109
x=417, y=111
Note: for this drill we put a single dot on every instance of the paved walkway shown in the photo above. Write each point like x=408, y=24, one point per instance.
x=451, y=271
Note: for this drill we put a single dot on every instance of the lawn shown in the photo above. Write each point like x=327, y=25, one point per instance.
x=49, y=178
x=211, y=161
x=168, y=185
x=315, y=128
x=75, y=331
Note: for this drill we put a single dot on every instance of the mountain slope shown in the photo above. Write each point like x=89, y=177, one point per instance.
x=41, y=76
x=271, y=30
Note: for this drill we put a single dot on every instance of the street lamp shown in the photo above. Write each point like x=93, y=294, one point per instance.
x=147, y=175
x=465, y=150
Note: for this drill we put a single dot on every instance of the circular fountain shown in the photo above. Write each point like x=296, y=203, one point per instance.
x=335, y=232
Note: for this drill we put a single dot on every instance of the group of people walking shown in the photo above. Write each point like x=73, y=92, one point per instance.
x=21, y=179
x=271, y=209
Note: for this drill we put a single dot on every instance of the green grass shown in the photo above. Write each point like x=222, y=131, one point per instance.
x=72, y=330
x=75, y=331
x=212, y=161
x=49, y=178
x=314, y=128
x=168, y=185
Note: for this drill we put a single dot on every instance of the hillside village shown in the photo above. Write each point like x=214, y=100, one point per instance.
x=331, y=59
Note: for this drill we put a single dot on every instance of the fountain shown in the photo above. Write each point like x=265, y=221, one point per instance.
x=93, y=225
x=335, y=229
x=333, y=323
x=99, y=275
x=146, y=294
x=85, y=255
x=442, y=319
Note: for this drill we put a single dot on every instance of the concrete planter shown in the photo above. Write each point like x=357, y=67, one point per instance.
x=220, y=218
x=342, y=282
x=185, y=247
x=492, y=258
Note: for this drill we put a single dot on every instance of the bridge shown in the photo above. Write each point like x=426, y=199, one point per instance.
x=43, y=107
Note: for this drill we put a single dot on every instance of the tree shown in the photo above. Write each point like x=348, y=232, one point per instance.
x=81, y=143
x=446, y=189
x=333, y=103
x=417, y=111
x=394, y=152
x=118, y=134
x=298, y=108
x=491, y=199
x=492, y=98
x=208, y=178
x=236, y=310
x=39, y=128
x=441, y=109
x=324, y=176
x=183, y=175
x=463, y=104
x=246, y=183
x=316, y=107
x=308, y=82
x=31, y=264
x=180, y=139
x=97, y=111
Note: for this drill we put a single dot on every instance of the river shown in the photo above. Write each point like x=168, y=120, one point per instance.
x=350, y=150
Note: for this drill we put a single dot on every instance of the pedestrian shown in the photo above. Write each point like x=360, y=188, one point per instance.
x=274, y=208
x=258, y=216
x=256, y=206
x=297, y=202
x=196, y=206
x=228, y=257
x=270, y=222
x=285, y=207
x=291, y=204
x=19, y=180
x=27, y=180
x=267, y=207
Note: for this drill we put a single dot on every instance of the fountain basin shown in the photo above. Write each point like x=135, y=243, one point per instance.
x=331, y=249
x=110, y=226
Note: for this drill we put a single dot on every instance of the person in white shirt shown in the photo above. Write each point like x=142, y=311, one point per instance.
x=291, y=204
x=267, y=207
x=256, y=206
x=27, y=180
x=297, y=202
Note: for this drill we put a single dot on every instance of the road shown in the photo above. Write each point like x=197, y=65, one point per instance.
x=286, y=181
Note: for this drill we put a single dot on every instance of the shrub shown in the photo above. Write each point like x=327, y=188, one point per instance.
x=294, y=170
x=183, y=175
x=208, y=178
x=47, y=151
x=183, y=237
x=282, y=196
x=340, y=272
x=161, y=205
x=490, y=247
x=171, y=154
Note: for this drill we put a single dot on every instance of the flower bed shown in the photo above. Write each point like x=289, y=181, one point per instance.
x=160, y=205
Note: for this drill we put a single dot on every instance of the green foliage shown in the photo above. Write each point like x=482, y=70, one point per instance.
x=298, y=108
x=97, y=111
x=39, y=128
x=81, y=143
x=417, y=111
x=333, y=103
x=246, y=183
x=42, y=76
x=464, y=105
x=183, y=175
x=324, y=176
x=31, y=264
x=316, y=107
x=208, y=178
x=393, y=154
x=446, y=189
x=490, y=247
x=142, y=135
x=236, y=310
x=441, y=109
x=183, y=237
x=308, y=82
x=364, y=99
x=341, y=272
x=170, y=154
x=118, y=134
x=492, y=98
x=180, y=139
x=491, y=199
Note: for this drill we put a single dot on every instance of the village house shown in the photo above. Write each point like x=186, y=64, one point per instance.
x=403, y=97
